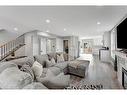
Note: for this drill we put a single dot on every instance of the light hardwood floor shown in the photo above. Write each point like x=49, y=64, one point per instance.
x=99, y=73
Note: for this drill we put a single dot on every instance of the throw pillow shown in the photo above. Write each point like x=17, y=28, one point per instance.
x=26, y=68
x=50, y=63
x=53, y=61
x=37, y=69
x=44, y=72
x=47, y=74
x=60, y=58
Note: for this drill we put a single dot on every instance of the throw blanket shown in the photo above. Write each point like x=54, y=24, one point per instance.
x=75, y=63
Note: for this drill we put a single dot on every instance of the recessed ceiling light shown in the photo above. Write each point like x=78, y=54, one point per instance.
x=1, y=29
x=16, y=29
x=65, y=29
x=98, y=23
x=47, y=31
x=47, y=21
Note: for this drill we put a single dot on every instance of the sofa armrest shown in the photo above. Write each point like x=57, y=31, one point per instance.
x=35, y=85
x=57, y=82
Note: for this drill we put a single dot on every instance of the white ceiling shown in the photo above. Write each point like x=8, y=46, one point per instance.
x=77, y=20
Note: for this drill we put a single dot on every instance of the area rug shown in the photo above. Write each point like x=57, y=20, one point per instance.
x=78, y=83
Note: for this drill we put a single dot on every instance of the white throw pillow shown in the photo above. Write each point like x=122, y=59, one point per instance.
x=37, y=69
x=53, y=61
x=60, y=58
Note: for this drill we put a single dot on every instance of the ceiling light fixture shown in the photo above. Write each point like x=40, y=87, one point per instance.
x=65, y=29
x=47, y=31
x=1, y=29
x=47, y=21
x=98, y=23
x=16, y=29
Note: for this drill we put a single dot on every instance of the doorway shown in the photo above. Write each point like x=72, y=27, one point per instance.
x=86, y=46
x=65, y=46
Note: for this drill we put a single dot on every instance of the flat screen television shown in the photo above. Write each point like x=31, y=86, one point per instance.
x=122, y=35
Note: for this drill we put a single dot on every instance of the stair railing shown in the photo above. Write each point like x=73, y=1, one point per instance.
x=10, y=47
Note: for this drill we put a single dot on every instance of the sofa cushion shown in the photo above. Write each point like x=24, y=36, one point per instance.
x=65, y=55
x=57, y=82
x=61, y=65
x=41, y=59
x=13, y=78
x=35, y=85
x=55, y=70
x=28, y=69
x=53, y=61
x=45, y=75
x=21, y=61
x=37, y=69
x=5, y=65
x=52, y=55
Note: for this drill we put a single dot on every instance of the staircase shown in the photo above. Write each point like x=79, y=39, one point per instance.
x=10, y=47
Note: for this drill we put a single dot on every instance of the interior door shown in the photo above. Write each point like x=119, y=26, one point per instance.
x=65, y=46
x=42, y=46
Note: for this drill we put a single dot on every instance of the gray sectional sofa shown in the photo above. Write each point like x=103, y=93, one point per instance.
x=17, y=74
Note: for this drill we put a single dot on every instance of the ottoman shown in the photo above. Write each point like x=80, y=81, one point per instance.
x=78, y=67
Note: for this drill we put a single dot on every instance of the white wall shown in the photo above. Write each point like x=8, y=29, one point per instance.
x=107, y=42
x=35, y=44
x=59, y=45
x=42, y=45
x=6, y=36
x=49, y=46
x=97, y=41
x=97, y=44
x=53, y=45
x=107, y=39
x=20, y=51
x=29, y=45
x=73, y=47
